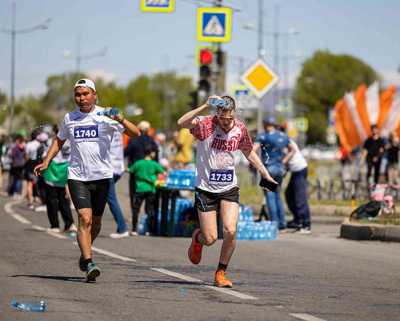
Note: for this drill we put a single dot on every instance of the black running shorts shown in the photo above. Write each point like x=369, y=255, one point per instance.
x=207, y=201
x=91, y=194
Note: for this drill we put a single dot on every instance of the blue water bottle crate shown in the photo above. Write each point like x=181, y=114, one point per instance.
x=181, y=179
x=245, y=213
x=266, y=230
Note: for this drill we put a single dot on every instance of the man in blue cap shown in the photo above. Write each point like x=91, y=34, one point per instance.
x=273, y=144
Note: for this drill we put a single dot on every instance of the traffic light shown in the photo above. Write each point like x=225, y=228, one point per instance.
x=205, y=74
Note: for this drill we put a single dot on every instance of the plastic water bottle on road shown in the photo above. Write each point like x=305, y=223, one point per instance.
x=29, y=307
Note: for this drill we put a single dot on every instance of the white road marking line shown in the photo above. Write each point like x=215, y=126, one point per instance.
x=58, y=235
x=38, y=228
x=8, y=208
x=20, y=218
x=190, y=279
x=113, y=255
x=305, y=317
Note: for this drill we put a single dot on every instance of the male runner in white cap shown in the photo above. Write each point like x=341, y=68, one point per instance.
x=90, y=134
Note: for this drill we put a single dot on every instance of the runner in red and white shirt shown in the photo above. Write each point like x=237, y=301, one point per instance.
x=218, y=136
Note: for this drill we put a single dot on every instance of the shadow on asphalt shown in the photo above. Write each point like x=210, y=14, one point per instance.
x=51, y=277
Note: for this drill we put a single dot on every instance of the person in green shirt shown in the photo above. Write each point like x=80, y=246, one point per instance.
x=145, y=172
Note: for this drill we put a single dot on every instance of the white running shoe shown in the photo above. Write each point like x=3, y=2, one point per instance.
x=119, y=235
x=72, y=228
x=41, y=208
x=54, y=229
x=133, y=233
x=305, y=230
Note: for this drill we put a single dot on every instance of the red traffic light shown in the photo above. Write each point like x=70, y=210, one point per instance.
x=206, y=56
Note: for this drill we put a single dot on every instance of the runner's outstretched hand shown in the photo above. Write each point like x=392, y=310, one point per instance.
x=39, y=169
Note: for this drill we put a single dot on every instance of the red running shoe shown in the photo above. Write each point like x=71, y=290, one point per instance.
x=195, y=248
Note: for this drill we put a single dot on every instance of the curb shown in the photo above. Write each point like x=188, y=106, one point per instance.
x=370, y=232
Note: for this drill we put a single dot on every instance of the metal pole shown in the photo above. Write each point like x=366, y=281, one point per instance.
x=12, y=95
x=216, y=67
x=78, y=56
x=261, y=28
x=276, y=53
x=260, y=55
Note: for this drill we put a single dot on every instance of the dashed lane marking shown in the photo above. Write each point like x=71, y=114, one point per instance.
x=305, y=317
x=8, y=208
x=113, y=255
x=21, y=219
x=38, y=228
x=190, y=279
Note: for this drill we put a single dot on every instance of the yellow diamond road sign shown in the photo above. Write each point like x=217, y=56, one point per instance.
x=157, y=5
x=260, y=78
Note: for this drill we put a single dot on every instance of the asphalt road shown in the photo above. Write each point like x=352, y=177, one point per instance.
x=315, y=277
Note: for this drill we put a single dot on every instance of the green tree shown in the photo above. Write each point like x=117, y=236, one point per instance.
x=164, y=97
x=324, y=79
x=3, y=107
x=29, y=114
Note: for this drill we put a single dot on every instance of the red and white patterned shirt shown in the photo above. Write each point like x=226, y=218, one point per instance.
x=215, y=153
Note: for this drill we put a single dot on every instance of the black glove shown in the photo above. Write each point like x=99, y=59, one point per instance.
x=271, y=186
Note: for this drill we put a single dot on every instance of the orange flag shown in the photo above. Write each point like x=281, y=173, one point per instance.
x=361, y=103
x=345, y=127
x=385, y=104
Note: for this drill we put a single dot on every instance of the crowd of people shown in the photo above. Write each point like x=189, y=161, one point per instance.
x=377, y=158
x=83, y=159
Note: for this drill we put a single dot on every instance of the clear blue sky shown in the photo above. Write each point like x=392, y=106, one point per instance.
x=143, y=42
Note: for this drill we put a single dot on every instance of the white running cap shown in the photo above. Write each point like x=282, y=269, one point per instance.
x=85, y=83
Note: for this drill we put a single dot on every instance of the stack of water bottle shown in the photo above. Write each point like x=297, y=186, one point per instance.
x=181, y=179
x=247, y=229
x=182, y=223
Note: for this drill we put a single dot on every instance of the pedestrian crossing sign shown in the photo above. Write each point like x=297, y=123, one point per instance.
x=214, y=24
x=157, y=5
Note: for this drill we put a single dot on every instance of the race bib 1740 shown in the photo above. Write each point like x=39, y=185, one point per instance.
x=218, y=176
x=86, y=132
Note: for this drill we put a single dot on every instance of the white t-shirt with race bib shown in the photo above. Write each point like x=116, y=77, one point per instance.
x=117, y=154
x=215, y=153
x=90, y=136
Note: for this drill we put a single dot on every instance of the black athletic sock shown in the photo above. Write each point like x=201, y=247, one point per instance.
x=222, y=267
x=87, y=261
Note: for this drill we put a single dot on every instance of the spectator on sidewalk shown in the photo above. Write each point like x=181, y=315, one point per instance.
x=17, y=155
x=117, y=162
x=145, y=173
x=392, y=152
x=296, y=192
x=373, y=150
x=273, y=144
x=135, y=152
x=55, y=179
x=31, y=161
x=184, y=144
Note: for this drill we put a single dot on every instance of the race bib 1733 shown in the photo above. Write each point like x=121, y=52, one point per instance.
x=218, y=176
x=86, y=132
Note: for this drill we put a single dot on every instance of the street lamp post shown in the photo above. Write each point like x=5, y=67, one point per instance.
x=79, y=57
x=13, y=33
